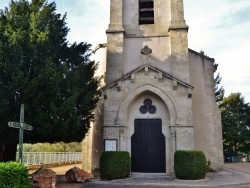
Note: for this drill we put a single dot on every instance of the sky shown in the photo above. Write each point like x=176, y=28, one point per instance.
x=220, y=28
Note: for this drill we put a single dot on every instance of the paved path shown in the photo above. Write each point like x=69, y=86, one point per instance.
x=234, y=175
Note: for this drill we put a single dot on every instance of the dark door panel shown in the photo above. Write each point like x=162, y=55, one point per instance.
x=148, y=146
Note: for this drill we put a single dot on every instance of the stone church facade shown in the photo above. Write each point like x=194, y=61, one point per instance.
x=158, y=95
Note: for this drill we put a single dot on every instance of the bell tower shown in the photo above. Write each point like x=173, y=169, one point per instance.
x=147, y=52
x=148, y=84
x=159, y=24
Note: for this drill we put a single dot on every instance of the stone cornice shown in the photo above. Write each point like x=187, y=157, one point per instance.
x=121, y=30
x=168, y=75
x=178, y=27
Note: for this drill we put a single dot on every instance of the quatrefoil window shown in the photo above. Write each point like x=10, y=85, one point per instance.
x=147, y=107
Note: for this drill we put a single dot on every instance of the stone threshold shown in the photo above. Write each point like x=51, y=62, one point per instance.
x=147, y=175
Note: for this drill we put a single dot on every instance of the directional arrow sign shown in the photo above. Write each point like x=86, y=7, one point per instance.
x=14, y=124
x=17, y=125
x=21, y=126
x=27, y=127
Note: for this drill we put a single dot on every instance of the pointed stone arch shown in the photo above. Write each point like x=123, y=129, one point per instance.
x=126, y=102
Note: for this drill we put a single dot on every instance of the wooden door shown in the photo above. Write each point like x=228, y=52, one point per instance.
x=148, y=146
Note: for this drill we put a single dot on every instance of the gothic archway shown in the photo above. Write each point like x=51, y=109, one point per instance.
x=162, y=110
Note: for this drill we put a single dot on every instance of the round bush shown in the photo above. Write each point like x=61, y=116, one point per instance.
x=115, y=165
x=190, y=165
x=14, y=175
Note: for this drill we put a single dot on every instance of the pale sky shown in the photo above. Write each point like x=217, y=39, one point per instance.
x=221, y=28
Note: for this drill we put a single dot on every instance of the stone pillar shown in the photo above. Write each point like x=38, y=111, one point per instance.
x=87, y=150
x=173, y=149
x=97, y=138
x=177, y=15
x=115, y=38
x=179, y=42
x=121, y=140
x=115, y=16
x=92, y=145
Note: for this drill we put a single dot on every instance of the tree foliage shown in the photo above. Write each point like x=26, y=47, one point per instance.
x=219, y=90
x=236, y=124
x=40, y=69
x=53, y=147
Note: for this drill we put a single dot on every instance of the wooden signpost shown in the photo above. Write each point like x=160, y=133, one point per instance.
x=21, y=126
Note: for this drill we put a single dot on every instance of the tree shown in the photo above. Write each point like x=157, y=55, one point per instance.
x=40, y=69
x=236, y=124
x=219, y=91
x=54, y=147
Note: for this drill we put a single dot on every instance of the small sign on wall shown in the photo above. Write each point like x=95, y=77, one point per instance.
x=110, y=145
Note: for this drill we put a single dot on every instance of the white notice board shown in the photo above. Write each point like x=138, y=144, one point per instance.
x=110, y=145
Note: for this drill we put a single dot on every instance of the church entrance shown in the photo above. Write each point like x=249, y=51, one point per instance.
x=148, y=146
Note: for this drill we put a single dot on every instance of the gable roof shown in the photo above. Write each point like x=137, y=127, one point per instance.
x=153, y=68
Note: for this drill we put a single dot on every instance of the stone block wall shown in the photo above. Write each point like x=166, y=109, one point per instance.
x=207, y=120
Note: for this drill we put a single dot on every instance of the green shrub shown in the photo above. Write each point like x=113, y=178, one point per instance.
x=190, y=165
x=115, y=165
x=14, y=175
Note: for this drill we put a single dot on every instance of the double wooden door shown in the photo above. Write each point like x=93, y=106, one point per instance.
x=148, y=146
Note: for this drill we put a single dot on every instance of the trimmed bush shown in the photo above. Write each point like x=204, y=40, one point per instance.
x=115, y=165
x=190, y=165
x=14, y=175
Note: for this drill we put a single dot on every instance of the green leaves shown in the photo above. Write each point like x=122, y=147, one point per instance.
x=235, y=114
x=190, y=164
x=236, y=124
x=219, y=91
x=39, y=68
x=14, y=175
x=115, y=165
